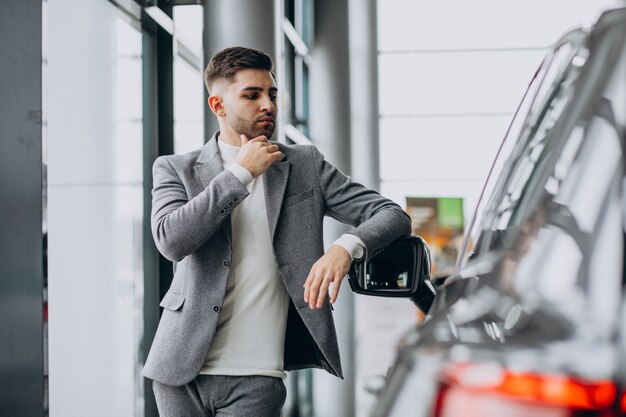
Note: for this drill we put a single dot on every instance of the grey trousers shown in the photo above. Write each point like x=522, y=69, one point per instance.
x=222, y=396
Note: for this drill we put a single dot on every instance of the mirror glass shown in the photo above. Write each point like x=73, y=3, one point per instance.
x=402, y=269
x=392, y=269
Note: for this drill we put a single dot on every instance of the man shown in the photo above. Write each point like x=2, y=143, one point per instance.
x=243, y=219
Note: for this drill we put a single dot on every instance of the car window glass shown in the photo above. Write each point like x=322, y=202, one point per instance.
x=554, y=256
x=606, y=263
x=568, y=252
x=583, y=190
x=545, y=81
x=519, y=190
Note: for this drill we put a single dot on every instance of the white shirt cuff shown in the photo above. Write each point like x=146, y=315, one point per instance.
x=352, y=244
x=242, y=174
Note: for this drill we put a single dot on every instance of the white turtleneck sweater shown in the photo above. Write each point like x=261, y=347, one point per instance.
x=250, y=335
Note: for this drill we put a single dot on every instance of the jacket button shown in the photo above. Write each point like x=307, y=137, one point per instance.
x=235, y=199
x=230, y=204
x=216, y=309
x=222, y=211
x=226, y=263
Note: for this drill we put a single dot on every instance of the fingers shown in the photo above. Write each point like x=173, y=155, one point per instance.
x=329, y=269
x=276, y=155
x=307, y=285
x=260, y=142
x=317, y=285
x=261, y=138
x=273, y=151
x=270, y=147
x=258, y=154
x=335, y=291
x=323, y=290
x=312, y=287
x=315, y=288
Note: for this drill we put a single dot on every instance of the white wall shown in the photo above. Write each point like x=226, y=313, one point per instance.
x=451, y=73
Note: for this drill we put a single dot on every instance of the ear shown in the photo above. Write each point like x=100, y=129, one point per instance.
x=216, y=105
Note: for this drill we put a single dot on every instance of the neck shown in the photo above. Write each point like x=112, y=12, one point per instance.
x=229, y=136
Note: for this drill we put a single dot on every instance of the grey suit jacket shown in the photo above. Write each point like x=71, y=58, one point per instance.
x=193, y=197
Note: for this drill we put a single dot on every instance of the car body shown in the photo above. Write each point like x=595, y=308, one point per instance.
x=533, y=321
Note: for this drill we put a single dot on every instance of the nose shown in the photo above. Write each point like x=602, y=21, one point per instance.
x=267, y=105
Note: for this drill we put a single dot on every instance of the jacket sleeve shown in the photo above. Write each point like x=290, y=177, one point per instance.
x=181, y=225
x=377, y=221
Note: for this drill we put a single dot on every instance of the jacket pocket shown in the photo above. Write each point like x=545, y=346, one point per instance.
x=172, y=301
x=296, y=198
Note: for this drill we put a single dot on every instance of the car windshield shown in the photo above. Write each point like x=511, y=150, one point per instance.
x=533, y=120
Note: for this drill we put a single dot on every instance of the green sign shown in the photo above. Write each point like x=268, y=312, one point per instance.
x=450, y=212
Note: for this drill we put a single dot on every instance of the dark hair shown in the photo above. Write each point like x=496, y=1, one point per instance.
x=226, y=63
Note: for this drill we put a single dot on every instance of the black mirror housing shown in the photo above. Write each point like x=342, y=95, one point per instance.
x=401, y=269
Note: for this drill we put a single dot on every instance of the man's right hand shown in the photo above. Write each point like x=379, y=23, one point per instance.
x=256, y=155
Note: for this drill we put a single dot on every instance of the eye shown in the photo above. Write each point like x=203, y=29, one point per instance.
x=273, y=97
x=253, y=96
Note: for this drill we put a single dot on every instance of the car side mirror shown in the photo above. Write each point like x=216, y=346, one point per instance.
x=401, y=269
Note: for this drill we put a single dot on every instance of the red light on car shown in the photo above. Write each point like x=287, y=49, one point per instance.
x=490, y=390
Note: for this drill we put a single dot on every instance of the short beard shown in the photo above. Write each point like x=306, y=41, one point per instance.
x=245, y=127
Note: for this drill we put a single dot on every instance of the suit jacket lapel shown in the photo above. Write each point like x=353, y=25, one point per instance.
x=275, y=183
x=207, y=167
x=209, y=163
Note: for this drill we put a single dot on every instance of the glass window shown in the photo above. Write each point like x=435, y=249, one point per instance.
x=188, y=79
x=293, y=74
x=95, y=209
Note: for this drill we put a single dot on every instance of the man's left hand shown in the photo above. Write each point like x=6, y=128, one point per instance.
x=330, y=268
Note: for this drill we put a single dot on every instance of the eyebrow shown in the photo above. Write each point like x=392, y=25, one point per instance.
x=258, y=89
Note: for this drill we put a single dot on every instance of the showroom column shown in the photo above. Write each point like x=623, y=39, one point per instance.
x=365, y=157
x=22, y=244
x=330, y=131
x=364, y=92
x=236, y=23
